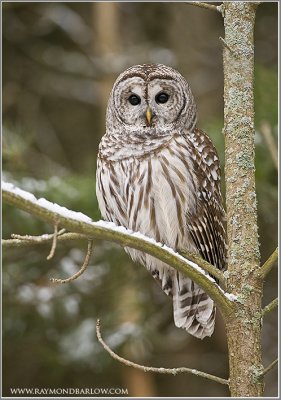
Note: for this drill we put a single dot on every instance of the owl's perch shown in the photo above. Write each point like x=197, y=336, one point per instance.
x=81, y=224
x=63, y=236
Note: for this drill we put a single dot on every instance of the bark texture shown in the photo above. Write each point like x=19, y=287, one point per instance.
x=244, y=326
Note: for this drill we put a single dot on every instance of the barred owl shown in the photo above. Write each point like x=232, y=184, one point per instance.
x=158, y=174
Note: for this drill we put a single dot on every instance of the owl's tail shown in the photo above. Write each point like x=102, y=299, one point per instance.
x=194, y=310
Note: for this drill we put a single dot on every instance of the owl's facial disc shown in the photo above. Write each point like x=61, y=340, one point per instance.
x=149, y=104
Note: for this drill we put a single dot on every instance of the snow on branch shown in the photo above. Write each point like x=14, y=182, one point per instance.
x=79, y=223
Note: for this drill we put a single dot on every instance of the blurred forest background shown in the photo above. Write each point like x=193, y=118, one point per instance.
x=59, y=63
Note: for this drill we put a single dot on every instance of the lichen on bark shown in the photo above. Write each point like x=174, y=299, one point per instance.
x=244, y=326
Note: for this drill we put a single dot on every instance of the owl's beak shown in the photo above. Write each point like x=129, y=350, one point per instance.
x=148, y=116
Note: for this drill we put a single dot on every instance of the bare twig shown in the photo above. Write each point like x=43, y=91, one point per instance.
x=81, y=270
x=267, y=134
x=54, y=244
x=27, y=240
x=204, y=5
x=172, y=371
x=270, y=307
x=37, y=239
x=226, y=45
x=269, y=367
x=267, y=266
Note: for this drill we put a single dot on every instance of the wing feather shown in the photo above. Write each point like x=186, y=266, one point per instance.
x=205, y=223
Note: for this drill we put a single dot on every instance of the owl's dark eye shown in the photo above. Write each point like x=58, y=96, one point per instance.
x=161, y=98
x=134, y=99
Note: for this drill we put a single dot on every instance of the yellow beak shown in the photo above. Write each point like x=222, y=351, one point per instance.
x=148, y=115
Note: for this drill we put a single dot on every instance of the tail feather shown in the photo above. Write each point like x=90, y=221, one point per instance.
x=194, y=310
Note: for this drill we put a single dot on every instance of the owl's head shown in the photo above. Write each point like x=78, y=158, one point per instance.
x=152, y=99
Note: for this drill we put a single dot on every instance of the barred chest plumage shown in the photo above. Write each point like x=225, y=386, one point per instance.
x=151, y=192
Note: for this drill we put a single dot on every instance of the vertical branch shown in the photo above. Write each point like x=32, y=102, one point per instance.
x=244, y=328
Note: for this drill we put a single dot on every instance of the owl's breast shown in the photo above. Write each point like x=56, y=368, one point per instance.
x=130, y=143
x=151, y=195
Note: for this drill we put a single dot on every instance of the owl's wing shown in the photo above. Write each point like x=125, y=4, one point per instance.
x=205, y=224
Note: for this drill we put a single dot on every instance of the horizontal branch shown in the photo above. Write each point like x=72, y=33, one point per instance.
x=267, y=266
x=172, y=371
x=207, y=6
x=270, y=307
x=80, y=223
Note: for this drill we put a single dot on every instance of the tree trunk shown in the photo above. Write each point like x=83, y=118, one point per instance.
x=244, y=327
x=107, y=45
